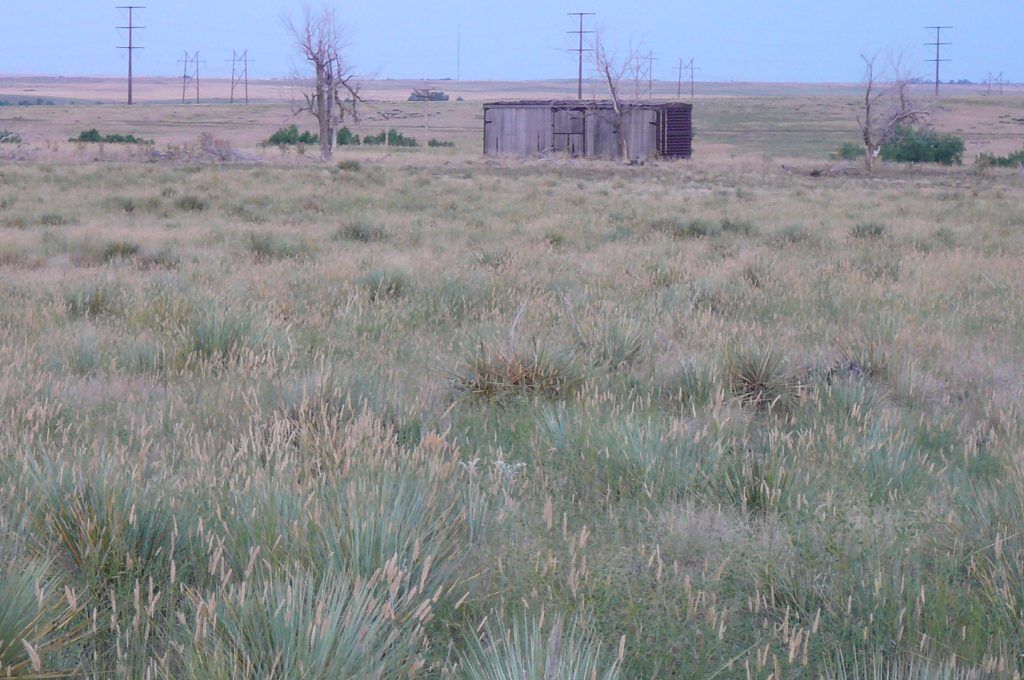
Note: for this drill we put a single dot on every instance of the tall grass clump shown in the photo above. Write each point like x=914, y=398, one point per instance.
x=94, y=299
x=382, y=285
x=268, y=247
x=220, y=335
x=500, y=374
x=361, y=229
x=868, y=230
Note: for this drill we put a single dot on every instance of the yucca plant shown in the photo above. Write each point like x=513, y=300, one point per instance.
x=499, y=374
x=531, y=650
x=760, y=378
x=35, y=621
x=412, y=518
x=299, y=626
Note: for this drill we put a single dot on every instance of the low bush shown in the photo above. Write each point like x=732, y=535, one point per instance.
x=290, y=136
x=393, y=138
x=1009, y=161
x=849, y=151
x=94, y=136
x=347, y=138
x=923, y=145
x=440, y=143
x=8, y=137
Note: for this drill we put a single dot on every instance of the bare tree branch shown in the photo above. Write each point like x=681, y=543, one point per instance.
x=612, y=71
x=887, y=107
x=321, y=40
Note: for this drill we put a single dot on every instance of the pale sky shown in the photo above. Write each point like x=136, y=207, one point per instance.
x=739, y=40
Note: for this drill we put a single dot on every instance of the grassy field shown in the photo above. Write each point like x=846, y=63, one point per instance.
x=432, y=415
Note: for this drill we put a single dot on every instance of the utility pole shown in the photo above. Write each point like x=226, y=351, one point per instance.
x=240, y=75
x=938, y=45
x=679, y=78
x=580, y=50
x=195, y=63
x=131, y=28
x=185, y=75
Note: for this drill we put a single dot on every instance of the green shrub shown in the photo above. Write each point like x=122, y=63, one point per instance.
x=94, y=136
x=850, y=151
x=1009, y=161
x=394, y=138
x=8, y=137
x=350, y=165
x=923, y=145
x=347, y=138
x=439, y=143
x=290, y=136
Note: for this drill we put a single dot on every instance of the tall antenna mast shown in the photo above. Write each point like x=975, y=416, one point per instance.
x=131, y=47
x=580, y=50
x=938, y=45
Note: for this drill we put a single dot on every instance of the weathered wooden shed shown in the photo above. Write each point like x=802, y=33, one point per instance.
x=588, y=128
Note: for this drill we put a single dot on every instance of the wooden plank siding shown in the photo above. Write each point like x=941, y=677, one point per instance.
x=586, y=129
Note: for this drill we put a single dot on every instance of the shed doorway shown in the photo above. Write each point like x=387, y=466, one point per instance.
x=569, y=131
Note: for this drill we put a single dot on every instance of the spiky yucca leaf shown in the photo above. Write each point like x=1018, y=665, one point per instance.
x=529, y=650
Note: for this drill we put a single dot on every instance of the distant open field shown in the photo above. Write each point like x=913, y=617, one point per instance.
x=783, y=120
x=422, y=414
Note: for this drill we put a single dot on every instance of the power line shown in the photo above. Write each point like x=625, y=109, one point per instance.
x=240, y=75
x=131, y=47
x=580, y=50
x=938, y=45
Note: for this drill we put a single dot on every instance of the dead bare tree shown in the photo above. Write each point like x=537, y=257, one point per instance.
x=887, y=107
x=321, y=40
x=613, y=71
